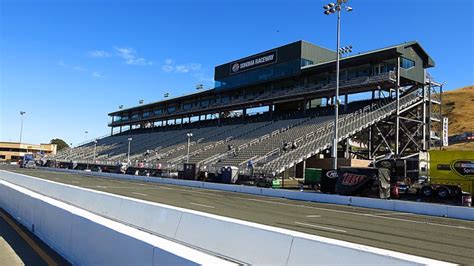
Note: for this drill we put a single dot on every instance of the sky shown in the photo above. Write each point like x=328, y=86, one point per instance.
x=67, y=64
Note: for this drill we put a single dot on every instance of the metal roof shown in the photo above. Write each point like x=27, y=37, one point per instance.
x=430, y=61
x=162, y=101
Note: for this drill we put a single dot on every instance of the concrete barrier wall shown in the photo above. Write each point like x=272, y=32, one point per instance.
x=241, y=240
x=87, y=239
x=440, y=210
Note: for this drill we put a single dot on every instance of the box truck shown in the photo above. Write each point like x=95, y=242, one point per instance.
x=447, y=173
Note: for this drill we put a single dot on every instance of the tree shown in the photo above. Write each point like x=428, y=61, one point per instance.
x=60, y=143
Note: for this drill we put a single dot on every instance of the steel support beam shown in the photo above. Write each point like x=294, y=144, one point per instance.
x=397, y=118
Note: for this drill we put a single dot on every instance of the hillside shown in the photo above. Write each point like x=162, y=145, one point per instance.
x=466, y=146
x=458, y=105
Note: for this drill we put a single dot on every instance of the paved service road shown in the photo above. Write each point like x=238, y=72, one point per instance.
x=19, y=247
x=433, y=237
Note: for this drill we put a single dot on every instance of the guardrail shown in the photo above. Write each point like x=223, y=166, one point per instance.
x=85, y=238
x=216, y=234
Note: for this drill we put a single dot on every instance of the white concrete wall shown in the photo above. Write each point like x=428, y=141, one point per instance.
x=241, y=240
x=84, y=238
x=440, y=210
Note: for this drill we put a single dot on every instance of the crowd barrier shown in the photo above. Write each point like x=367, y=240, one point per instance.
x=440, y=210
x=243, y=241
x=84, y=238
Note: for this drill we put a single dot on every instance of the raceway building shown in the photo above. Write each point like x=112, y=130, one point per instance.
x=265, y=101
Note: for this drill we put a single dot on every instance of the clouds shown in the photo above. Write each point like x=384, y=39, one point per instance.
x=97, y=75
x=170, y=67
x=129, y=55
x=79, y=68
x=131, y=58
x=98, y=54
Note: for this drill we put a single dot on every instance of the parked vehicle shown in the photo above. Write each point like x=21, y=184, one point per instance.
x=28, y=161
x=447, y=173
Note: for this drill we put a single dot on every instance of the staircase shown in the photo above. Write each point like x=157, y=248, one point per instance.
x=348, y=126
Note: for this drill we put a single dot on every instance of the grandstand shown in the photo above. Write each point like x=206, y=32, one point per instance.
x=389, y=106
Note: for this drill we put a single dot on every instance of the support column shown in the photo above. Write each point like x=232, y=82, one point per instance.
x=397, y=119
x=369, y=144
x=430, y=112
x=244, y=113
x=423, y=140
x=347, y=146
x=305, y=104
x=441, y=116
x=111, y=131
x=346, y=101
x=304, y=169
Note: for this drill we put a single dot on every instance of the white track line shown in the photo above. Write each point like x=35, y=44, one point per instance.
x=359, y=214
x=393, y=213
x=322, y=227
x=141, y=194
x=101, y=186
x=164, y=187
x=202, y=205
x=194, y=191
x=313, y=216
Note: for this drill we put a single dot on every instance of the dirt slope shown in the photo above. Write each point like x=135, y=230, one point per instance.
x=458, y=105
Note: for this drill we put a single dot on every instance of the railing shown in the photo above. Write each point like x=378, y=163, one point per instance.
x=356, y=120
x=387, y=76
x=91, y=140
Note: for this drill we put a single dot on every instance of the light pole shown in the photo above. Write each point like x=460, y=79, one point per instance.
x=95, y=148
x=22, y=113
x=332, y=8
x=128, y=153
x=189, y=144
x=85, y=136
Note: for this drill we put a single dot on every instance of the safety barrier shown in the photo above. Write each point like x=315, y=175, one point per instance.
x=440, y=210
x=85, y=238
x=243, y=241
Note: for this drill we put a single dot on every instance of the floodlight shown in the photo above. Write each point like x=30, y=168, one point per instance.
x=349, y=9
x=331, y=4
x=327, y=12
x=326, y=7
x=332, y=11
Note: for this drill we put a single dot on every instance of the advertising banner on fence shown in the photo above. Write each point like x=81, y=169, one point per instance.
x=353, y=181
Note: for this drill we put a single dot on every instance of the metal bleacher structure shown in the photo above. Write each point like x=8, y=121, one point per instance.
x=404, y=118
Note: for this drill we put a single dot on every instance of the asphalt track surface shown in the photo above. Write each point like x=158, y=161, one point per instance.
x=438, y=238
